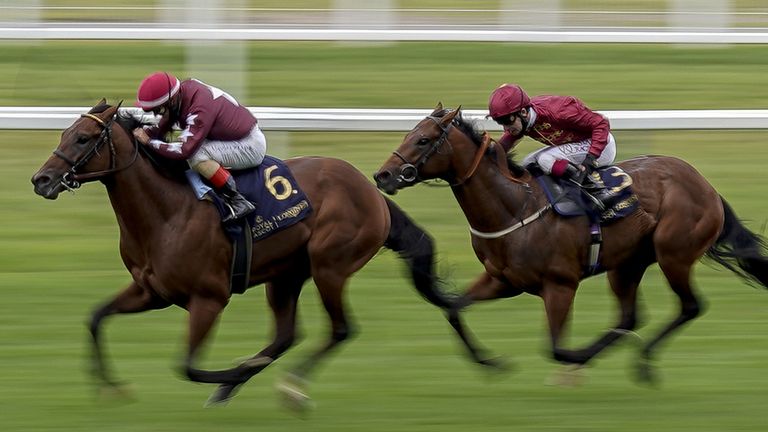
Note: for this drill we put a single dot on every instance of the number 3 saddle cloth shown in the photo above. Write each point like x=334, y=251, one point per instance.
x=610, y=195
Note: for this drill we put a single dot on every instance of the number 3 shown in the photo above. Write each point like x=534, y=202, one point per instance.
x=625, y=182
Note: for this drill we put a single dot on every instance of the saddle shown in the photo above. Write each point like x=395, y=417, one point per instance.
x=280, y=203
x=605, y=197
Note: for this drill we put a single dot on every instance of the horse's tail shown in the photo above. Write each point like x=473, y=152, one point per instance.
x=416, y=247
x=740, y=250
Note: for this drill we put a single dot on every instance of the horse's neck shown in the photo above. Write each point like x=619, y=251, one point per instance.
x=490, y=201
x=144, y=200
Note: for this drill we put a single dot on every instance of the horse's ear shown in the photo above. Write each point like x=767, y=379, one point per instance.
x=438, y=108
x=103, y=101
x=448, y=118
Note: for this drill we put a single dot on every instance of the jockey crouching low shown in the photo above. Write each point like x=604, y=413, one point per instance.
x=216, y=132
x=578, y=139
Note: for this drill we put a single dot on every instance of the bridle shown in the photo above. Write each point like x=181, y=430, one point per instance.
x=409, y=172
x=72, y=179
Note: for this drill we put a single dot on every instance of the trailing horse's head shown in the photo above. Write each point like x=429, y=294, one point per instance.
x=424, y=153
x=79, y=158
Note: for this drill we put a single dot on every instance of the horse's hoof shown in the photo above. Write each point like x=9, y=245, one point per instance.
x=294, y=394
x=567, y=376
x=222, y=395
x=646, y=373
x=116, y=392
x=496, y=364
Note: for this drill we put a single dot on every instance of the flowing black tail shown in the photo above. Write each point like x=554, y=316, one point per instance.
x=740, y=250
x=416, y=247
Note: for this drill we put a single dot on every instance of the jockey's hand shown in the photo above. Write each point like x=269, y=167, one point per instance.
x=582, y=175
x=585, y=168
x=141, y=136
x=590, y=162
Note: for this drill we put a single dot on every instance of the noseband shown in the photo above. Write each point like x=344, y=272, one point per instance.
x=409, y=173
x=71, y=179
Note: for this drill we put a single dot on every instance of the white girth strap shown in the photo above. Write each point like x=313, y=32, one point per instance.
x=506, y=231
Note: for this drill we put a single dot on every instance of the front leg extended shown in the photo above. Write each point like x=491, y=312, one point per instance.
x=485, y=287
x=132, y=299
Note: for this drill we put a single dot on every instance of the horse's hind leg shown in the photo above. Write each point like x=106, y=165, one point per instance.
x=330, y=284
x=283, y=296
x=678, y=275
x=132, y=299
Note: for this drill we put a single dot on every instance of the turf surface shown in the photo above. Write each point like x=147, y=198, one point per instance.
x=403, y=371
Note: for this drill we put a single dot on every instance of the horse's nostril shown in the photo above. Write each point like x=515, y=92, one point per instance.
x=41, y=180
x=382, y=176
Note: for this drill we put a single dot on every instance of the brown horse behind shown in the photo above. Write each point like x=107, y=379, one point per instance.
x=525, y=247
x=177, y=253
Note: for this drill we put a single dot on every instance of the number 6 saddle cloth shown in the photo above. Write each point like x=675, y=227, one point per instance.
x=610, y=195
x=271, y=187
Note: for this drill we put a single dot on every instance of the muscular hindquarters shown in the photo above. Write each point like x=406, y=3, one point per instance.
x=687, y=209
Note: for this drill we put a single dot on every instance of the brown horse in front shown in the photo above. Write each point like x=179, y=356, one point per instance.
x=525, y=247
x=177, y=253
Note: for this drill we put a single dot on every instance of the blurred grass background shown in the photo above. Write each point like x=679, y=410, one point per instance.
x=404, y=370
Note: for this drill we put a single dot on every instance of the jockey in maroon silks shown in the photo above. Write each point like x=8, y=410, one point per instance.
x=578, y=139
x=216, y=132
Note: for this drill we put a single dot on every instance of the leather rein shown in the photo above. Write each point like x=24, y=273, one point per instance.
x=72, y=179
x=409, y=172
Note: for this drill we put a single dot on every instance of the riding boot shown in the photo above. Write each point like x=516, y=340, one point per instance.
x=572, y=173
x=238, y=205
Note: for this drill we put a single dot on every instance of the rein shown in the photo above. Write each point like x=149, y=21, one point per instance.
x=72, y=179
x=409, y=173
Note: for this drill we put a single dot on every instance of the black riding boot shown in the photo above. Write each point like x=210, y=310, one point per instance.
x=238, y=205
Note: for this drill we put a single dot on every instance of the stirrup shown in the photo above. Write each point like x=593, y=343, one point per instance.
x=233, y=215
x=589, y=196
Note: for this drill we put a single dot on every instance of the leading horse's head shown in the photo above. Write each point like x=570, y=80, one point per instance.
x=427, y=152
x=79, y=157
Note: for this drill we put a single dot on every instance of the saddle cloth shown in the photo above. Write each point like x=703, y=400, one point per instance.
x=279, y=201
x=610, y=185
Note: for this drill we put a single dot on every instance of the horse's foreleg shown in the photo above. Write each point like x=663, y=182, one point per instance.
x=283, y=297
x=132, y=299
x=558, y=299
x=624, y=283
x=203, y=314
x=485, y=287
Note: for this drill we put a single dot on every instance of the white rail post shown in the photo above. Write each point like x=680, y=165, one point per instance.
x=540, y=14
x=700, y=15
x=352, y=14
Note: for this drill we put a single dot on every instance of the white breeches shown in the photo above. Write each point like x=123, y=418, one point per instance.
x=573, y=152
x=244, y=153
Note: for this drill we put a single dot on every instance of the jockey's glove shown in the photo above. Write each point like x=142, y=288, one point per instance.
x=590, y=162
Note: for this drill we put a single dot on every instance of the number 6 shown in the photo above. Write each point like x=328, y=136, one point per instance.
x=270, y=182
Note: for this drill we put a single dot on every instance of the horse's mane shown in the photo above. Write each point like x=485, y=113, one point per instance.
x=475, y=132
x=172, y=169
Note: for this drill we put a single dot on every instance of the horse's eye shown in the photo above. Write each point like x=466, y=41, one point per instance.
x=422, y=142
x=82, y=139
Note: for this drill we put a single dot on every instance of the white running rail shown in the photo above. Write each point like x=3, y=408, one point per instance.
x=626, y=35
x=365, y=119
